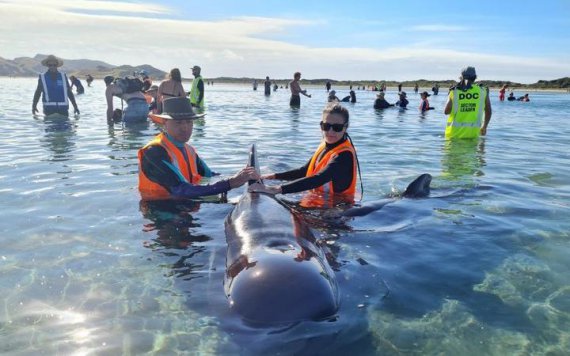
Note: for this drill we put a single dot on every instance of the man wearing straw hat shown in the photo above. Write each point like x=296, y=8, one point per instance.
x=169, y=168
x=54, y=89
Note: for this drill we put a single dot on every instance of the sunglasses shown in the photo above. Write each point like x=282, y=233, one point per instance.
x=325, y=126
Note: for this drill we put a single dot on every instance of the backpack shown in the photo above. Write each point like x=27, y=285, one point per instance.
x=129, y=84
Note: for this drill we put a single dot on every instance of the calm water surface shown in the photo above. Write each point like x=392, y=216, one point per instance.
x=479, y=267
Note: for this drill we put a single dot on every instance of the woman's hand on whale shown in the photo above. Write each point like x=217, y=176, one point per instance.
x=262, y=188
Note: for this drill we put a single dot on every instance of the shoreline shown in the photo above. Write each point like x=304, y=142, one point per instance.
x=310, y=83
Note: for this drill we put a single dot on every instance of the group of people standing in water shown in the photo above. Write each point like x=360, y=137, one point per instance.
x=511, y=96
x=170, y=168
x=142, y=97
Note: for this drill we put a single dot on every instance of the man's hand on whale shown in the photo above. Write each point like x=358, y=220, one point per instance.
x=246, y=174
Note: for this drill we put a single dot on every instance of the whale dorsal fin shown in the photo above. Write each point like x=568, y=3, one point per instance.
x=253, y=161
x=419, y=188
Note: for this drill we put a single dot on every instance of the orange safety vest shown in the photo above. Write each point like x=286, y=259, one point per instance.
x=317, y=196
x=153, y=191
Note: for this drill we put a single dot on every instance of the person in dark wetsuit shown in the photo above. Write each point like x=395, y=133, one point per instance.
x=403, y=101
x=336, y=152
x=75, y=82
x=380, y=102
x=351, y=97
x=169, y=168
x=89, y=80
x=332, y=97
x=524, y=98
x=267, y=85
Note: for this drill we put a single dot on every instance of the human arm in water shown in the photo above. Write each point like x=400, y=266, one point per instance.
x=201, y=90
x=488, y=113
x=296, y=89
x=109, y=92
x=37, y=95
x=157, y=166
x=335, y=171
x=72, y=98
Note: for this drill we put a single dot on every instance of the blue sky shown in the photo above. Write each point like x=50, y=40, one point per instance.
x=391, y=40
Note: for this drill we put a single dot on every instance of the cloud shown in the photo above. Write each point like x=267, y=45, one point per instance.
x=90, y=5
x=241, y=46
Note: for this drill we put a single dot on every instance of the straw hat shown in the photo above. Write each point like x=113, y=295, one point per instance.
x=178, y=108
x=51, y=59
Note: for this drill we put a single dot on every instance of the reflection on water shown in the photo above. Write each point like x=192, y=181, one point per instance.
x=127, y=136
x=172, y=223
x=462, y=160
x=199, y=128
x=59, y=137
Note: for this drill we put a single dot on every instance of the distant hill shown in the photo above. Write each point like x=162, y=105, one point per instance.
x=556, y=83
x=29, y=67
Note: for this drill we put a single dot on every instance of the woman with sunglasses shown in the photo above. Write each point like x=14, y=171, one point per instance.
x=332, y=169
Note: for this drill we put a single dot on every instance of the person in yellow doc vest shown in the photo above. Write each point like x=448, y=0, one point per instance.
x=197, y=91
x=468, y=107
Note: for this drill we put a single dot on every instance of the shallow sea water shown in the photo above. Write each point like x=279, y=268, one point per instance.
x=479, y=267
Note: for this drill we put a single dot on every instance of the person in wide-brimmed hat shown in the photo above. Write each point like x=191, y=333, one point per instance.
x=332, y=97
x=403, y=101
x=169, y=168
x=54, y=89
x=380, y=102
x=468, y=107
x=52, y=60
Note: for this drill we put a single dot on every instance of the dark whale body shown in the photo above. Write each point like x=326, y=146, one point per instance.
x=275, y=271
x=419, y=188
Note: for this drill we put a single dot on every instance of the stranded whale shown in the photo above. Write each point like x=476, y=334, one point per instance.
x=419, y=188
x=276, y=273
